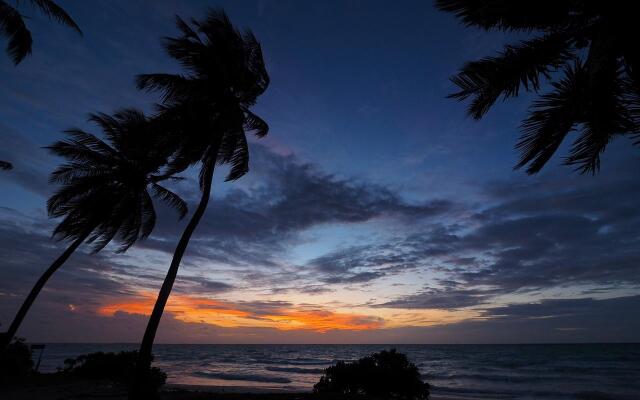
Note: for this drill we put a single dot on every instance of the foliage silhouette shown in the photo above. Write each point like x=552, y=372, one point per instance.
x=589, y=53
x=206, y=114
x=106, y=191
x=119, y=367
x=15, y=361
x=385, y=375
x=5, y=165
x=13, y=27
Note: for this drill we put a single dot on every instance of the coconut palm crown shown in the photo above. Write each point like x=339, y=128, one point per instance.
x=107, y=189
x=106, y=192
x=583, y=54
x=206, y=110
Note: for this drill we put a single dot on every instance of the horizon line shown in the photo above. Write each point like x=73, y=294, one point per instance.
x=346, y=344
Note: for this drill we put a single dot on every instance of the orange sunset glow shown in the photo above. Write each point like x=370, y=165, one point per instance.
x=229, y=315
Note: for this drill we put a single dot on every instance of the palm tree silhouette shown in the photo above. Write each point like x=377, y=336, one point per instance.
x=206, y=113
x=12, y=25
x=106, y=191
x=594, y=44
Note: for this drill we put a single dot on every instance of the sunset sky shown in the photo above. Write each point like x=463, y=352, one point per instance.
x=374, y=212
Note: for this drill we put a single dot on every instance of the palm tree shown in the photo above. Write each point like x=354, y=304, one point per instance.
x=206, y=113
x=12, y=25
x=105, y=191
x=588, y=52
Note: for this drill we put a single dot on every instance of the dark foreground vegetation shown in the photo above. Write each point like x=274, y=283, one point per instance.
x=387, y=375
x=384, y=375
x=16, y=362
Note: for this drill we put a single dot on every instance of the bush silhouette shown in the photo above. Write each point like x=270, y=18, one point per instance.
x=15, y=360
x=387, y=374
x=118, y=367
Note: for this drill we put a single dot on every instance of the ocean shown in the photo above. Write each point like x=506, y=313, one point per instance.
x=531, y=371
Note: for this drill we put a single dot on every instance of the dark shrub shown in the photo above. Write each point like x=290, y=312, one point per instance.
x=15, y=360
x=387, y=375
x=118, y=367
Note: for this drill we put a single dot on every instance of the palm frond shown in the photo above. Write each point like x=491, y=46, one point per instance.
x=116, y=125
x=209, y=160
x=131, y=229
x=255, y=124
x=171, y=199
x=551, y=118
x=105, y=185
x=606, y=115
x=171, y=87
x=148, y=214
x=12, y=26
x=5, y=165
x=191, y=54
x=56, y=13
x=73, y=171
x=186, y=29
x=508, y=14
x=234, y=152
x=82, y=146
x=515, y=67
x=258, y=80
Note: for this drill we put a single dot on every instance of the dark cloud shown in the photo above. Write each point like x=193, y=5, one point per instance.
x=452, y=295
x=361, y=277
x=551, y=321
x=582, y=308
x=524, y=241
x=253, y=227
x=543, y=235
x=202, y=285
x=259, y=308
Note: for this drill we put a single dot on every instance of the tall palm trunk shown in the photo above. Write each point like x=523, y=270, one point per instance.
x=13, y=328
x=144, y=356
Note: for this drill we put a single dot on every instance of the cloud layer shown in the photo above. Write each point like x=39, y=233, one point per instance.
x=516, y=254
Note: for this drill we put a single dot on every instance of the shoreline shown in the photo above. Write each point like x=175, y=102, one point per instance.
x=233, y=389
x=257, y=391
x=53, y=387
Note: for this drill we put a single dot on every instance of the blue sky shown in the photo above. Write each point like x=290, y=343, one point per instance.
x=374, y=202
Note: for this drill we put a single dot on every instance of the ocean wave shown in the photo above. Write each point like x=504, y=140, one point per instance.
x=595, y=395
x=495, y=394
x=242, y=377
x=318, y=362
x=491, y=377
x=296, y=370
x=284, y=361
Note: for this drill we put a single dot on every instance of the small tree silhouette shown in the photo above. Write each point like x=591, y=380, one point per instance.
x=15, y=361
x=118, y=367
x=387, y=374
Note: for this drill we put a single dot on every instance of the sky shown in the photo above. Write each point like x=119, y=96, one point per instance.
x=374, y=212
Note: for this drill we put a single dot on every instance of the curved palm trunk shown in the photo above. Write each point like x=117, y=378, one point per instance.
x=13, y=328
x=144, y=355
